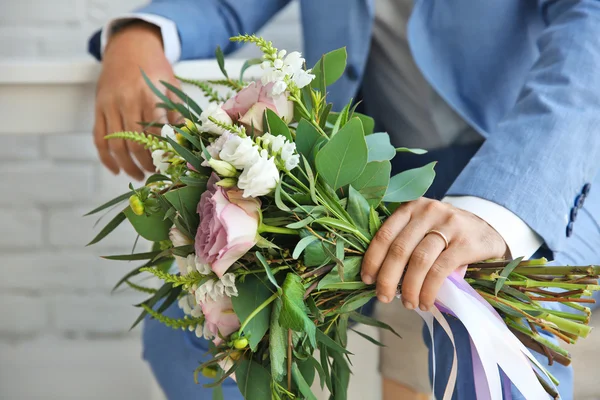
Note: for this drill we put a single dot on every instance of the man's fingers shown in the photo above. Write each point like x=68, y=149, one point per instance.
x=119, y=147
x=420, y=263
x=131, y=116
x=398, y=256
x=102, y=144
x=381, y=244
x=448, y=261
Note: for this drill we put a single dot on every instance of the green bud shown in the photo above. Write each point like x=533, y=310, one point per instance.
x=235, y=335
x=136, y=205
x=209, y=372
x=240, y=343
x=223, y=168
x=190, y=126
x=227, y=183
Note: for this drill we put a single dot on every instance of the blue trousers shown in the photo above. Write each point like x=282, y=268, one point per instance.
x=174, y=355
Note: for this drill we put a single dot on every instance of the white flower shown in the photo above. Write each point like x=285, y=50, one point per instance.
x=278, y=63
x=293, y=63
x=272, y=75
x=280, y=147
x=179, y=239
x=213, y=289
x=228, y=281
x=215, y=147
x=302, y=78
x=279, y=87
x=189, y=306
x=207, y=333
x=167, y=131
x=204, y=269
x=289, y=156
x=239, y=152
x=158, y=159
x=215, y=111
x=260, y=178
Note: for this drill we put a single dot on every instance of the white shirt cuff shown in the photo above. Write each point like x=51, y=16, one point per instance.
x=519, y=237
x=168, y=29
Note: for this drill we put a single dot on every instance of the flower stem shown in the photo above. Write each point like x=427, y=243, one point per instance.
x=276, y=229
x=258, y=309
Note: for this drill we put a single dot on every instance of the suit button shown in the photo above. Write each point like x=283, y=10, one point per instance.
x=574, y=211
x=579, y=200
x=570, y=229
x=352, y=72
x=586, y=188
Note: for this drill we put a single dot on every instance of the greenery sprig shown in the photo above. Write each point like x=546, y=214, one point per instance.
x=147, y=140
x=181, y=323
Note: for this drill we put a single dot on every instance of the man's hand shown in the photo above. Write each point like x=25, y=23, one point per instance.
x=405, y=240
x=123, y=99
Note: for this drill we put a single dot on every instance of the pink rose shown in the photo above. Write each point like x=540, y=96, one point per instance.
x=228, y=226
x=220, y=317
x=250, y=104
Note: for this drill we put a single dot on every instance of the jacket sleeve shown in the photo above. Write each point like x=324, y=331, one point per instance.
x=544, y=153
x=205, y=24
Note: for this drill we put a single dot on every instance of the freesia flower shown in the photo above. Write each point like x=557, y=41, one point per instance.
x=260, y=178
x=179, y=239
x=215, y=147
x=228, y=226
x=220, y=317
x=250, y=104
x=167, y=131
x=159, y=160
x=215, y=111
x=239, y=152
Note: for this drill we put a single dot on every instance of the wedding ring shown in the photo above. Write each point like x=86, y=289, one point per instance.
x=440, y=234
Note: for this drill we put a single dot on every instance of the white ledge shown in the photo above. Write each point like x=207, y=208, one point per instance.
x=48, y=97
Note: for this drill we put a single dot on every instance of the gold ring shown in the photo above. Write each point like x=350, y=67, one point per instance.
x=440, y=234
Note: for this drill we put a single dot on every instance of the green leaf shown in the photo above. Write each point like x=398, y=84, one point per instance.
x=351, y=272
x=334, y=64
x=265, y=264
x=252, y=292
x=324, y=355
x=344, y=157
x=363, y=319
x=506, y=271
x=369, y=338
x=341, y=377
x=151, y=227
x=184, y=97
x=373, y=182
x=330, y=343
x=163, y=262
x=276, y=126
x=380, y=147
x=278, y=202
x=409, y=150
x=111, y=226
x=316, y=366
x=410, y=185
x=302, y=244
x=277, y=343
x=221, y=61
x=199, y=182
x=368, y=122
x=115, y=201
x=186, y=154
x=151, y=302
x=185, y=200
x=342, y=329
x=294, y=312
x=345, y=286
x=133, y=257
x=358, y=208
x=324, y=115
x=253, y=380
x=248, y=64
x=307, y=139
x=157, y=178
x=374, y=221
x=192, y=139
x=302, y=384
x=341, y=120
x=356, y=301
x=336, y=224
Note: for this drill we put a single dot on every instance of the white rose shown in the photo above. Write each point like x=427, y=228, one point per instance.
x=215, y=111
x=158, y=159
x=260, y=178
x=239, y=152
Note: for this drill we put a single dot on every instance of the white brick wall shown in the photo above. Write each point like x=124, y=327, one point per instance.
x=62, y=334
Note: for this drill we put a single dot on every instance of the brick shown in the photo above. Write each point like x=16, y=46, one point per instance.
x=18, y=44
x=17, y=147
x=55, y=368
x=30, y=11
x=20, y=229
x=79, y=147
x=46, y=183
x=22, y=315
x=96, y=314
x=68, y=228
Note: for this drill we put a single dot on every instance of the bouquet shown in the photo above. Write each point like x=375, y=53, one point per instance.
x=260, y=212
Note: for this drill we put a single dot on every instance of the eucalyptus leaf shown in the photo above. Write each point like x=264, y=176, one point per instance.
x=363, y=319
x=302, y=244
x=345, y=286
x=248, y=64
x=506, y=271
x=380, y=147
x=294, y=314
x=199, y=182
x=151, y=227
x=356, y=301
x=411, y=184
x=184, y=97
x=277, y=343
x=358, y=208
x=351, y=272
x=341, y=160
x=374, y=221
x=252, y=292
x=330, y=343
x=133, y=257
x=409, y=150
x=186, y=154
x=253, y=380
x=157, y=178
x=267, y=268
x=111, y=203
x=369, y=338
x=221, y=60
x=307, y=139
x=111, y=226
x=276, y=126
x=302, y=384
x=334, y=64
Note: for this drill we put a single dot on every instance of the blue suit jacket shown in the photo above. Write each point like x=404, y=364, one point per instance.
x=523, y=73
